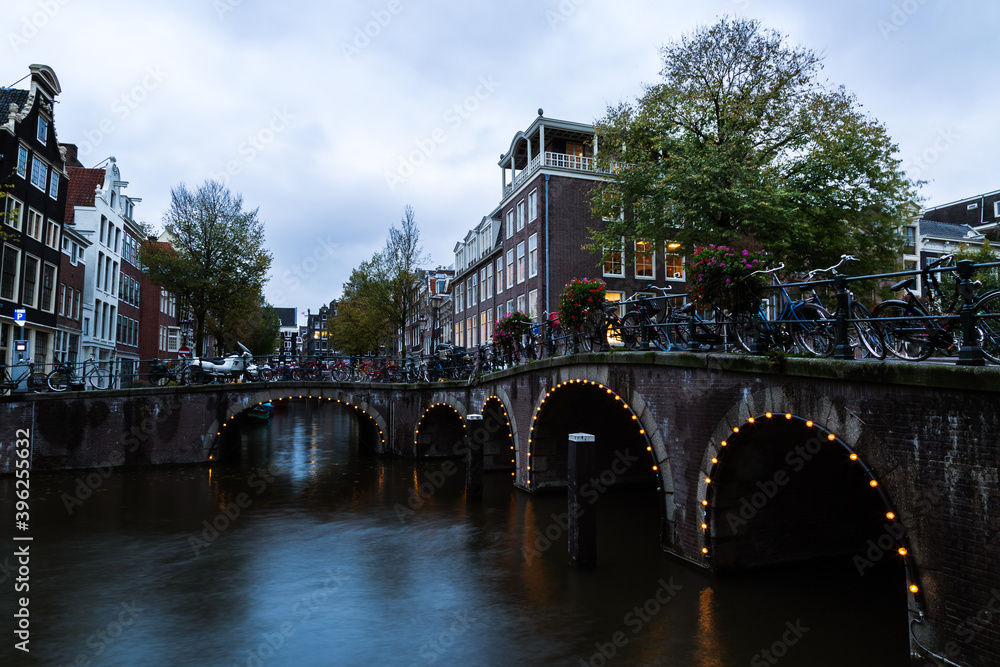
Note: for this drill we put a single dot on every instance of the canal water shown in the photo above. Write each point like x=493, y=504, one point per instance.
x=310, y=551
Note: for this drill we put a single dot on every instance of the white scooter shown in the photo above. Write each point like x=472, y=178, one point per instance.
x=230, y=369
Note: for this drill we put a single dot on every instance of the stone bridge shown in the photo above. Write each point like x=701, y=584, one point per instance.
x=758, y=462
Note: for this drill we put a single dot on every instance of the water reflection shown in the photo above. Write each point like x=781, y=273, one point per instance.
x=311, y=552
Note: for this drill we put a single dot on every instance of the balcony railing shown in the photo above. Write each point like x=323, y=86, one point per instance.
x=557, y=160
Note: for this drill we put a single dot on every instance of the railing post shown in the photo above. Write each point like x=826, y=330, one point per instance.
x=692, y=327
x=970, y=354
x=643, y=332
x=758, y=345
x=605, y=328
x=843, y=350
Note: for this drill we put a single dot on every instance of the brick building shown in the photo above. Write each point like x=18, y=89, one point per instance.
x=521, y=255
x=34, y=170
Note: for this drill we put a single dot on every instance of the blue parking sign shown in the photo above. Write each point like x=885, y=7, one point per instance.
x=20, y=315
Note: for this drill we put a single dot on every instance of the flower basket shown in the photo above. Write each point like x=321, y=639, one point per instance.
x=509, y=329
x=719, y=276
x=579, y=299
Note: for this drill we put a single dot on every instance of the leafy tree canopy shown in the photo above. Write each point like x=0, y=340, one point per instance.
x=363, y=322
x=217, y=264
x=741, y=138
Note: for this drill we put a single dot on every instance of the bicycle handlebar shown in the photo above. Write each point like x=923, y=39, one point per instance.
x=832, y=269
x=777, y=268
x=664, y=290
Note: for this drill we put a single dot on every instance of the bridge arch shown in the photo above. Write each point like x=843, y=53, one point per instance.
x=223, y=433
x=441, y=429
x=499, y=449
x=788, y=476
x=621, y=420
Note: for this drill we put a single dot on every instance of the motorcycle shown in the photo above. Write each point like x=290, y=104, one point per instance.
x=229, y=369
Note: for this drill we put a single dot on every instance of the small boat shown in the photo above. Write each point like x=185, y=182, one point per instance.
x=261, y=412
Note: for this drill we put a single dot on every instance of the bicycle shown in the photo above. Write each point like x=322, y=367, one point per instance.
x=639, y=323
x=801, y=324
x=863, y=333
x=912, y=332
x=35, y=379
x=63, y=376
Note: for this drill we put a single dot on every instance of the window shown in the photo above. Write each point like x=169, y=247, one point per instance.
x=614, y=264
x=510, y=223
x=34, y=226
x=533, y=255
x=62, y=298
x=22, y=161
x=459, y=304
x=996, y=209
x=500, y=312
x=644, y=256
x=483, y=295
x=616, y=297
x=673, y=262
x=54, y=185
x=470, y=328
x=14, y=213
x=499, y=274
x=533, y=304
x=510, y=269
x=470, y=290
x=520, y=215
x=489, y=280
x=510, y=306
x=29, y=288
x=9, y=272
x=909, y=240
x=48, y=283
x=533, y=205
x=41, y=347
x=52, y=234
x=458, y=334
x=39, y=173
x=104, y=222
x=484, y=333
x=521, y=306
x=520, y=262
x=43, y=131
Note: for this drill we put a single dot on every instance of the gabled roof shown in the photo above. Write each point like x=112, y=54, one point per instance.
x=944, y=230
x=8, y=96
x=83, y=183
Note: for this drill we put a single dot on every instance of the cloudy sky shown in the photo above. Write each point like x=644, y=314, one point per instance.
x=331, y=117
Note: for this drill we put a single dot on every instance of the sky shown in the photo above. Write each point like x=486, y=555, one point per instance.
x=331, y=117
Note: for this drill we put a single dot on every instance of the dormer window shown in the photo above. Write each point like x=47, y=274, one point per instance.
x=43, y=131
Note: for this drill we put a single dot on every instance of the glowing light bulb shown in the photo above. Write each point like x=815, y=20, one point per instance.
x=714, y=460
x=873, y=483
x=768, y=415
x=831, y=437
x=704, y=502
x=854, y=457
x=902, y=551
x=809, y=424
x=704, y=550
x=914, y=588
x=704, y=526
x=736, y=429
x=788, y=415
x=890, y=516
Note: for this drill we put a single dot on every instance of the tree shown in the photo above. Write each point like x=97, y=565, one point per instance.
x=742, y=139
x=401, y=257
x=984, y=254
x=362, y=324
x=217, y=264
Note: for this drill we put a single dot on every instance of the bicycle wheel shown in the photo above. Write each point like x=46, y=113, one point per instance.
x=99, y=378
x=741, y=330
x=909, y=340
x=58, y=380
x=678, y=325
x=988, y=313
x=813, y=330
x=38, y=381
x=313, y=371
x=631, y=330
x=869, y=334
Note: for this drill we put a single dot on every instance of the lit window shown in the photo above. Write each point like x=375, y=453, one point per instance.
x=614, y=264
x=644, y=256
x=673, y=261
x=533, y=304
